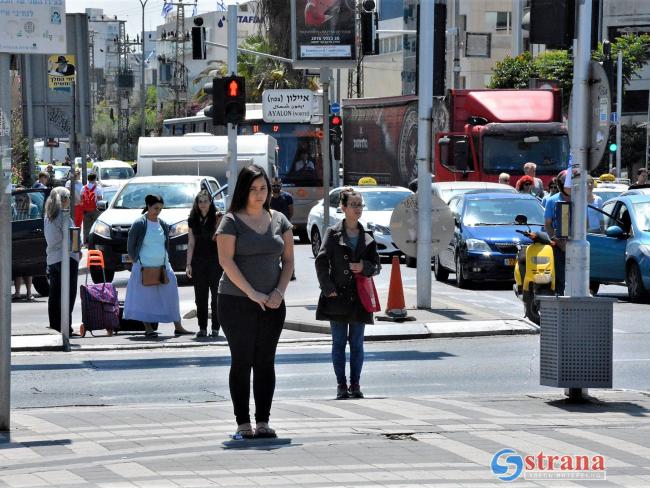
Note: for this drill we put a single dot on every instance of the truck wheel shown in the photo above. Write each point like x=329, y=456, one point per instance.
x=41, y=285
x=439, y=272
x=635, y=287
x=532, y=307
x=98, y=277
x=315, y=241
x=410, y=262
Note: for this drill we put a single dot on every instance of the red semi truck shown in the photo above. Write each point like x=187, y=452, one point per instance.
x=477, y=135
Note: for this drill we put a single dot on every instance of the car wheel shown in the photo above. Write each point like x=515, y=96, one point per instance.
x=461, y=281
x=41, y=285
x=410, y=262
x=439, y=272
x=635, y=287
x=594, y=286
x=315, y=241
x=98, y=277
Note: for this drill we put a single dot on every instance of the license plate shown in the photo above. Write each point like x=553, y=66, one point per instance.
x=509, y=262
x=126, y=258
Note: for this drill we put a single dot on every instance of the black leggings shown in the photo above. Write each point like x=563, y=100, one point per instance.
x=206, y=276
x=54, y=298
x=253, y=336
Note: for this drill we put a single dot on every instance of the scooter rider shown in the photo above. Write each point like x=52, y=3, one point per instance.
x=552, y=226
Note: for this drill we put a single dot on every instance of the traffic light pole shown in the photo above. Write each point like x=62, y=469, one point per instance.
x=619, y=111
x=232, y=128
x=325, y=144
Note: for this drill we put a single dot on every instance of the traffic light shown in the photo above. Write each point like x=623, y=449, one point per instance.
x=216, y=111
x=611, y=143
x=336, y=126
x=198, y=39
x=234, y=99
x=369, y=36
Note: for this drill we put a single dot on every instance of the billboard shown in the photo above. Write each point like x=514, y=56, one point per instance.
x=323, y=33
x=32, y=27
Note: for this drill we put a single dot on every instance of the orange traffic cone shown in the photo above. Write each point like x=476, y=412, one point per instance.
x=396, y=308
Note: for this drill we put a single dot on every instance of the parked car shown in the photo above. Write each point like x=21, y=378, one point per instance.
x=109, y=233
x=446, y=190
x=484, y=244
x=379, y=202
x=621, y=253
x=112, y=172
x=28, y=244
x=609, y=190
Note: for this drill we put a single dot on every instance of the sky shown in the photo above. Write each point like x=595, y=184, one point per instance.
x=131, y=11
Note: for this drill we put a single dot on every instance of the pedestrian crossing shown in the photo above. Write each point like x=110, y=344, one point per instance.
x=390, y=442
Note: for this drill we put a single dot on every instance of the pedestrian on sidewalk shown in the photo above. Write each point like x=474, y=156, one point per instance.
x=282, y=202
x=347, y=249
x=148, y=245
x=58, y=200
x=256, y=253
x=91, y=192
x=78, y=211
x=203, y=257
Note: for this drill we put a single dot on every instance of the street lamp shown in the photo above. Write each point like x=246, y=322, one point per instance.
x=143, y=94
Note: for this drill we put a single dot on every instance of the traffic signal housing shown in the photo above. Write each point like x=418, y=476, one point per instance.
x=611, y=143
x=198, y=39
x=336, y=130
x=216, y=111
x=234, y=99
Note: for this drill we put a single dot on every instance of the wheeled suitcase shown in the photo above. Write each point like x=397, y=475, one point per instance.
x=99, y=302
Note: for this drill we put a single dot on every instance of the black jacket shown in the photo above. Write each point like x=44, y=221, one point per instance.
x=333, y=271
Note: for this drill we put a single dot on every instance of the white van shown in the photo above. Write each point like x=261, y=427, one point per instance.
x=112, y=172
x=203, y=155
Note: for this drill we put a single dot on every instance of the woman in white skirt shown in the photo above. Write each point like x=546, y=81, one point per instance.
x=147, y=246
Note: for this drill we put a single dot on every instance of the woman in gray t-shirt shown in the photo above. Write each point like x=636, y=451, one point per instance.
x=256, y=253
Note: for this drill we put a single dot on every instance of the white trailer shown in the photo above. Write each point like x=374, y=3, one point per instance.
x=203, y=154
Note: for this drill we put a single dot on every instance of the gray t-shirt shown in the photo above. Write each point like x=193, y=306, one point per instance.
x=256, y=255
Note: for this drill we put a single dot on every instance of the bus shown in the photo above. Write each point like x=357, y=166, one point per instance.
x=299, y=157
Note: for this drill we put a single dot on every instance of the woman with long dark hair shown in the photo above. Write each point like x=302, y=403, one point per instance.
x=147, y=245
x=203, y=266
x=256, y=254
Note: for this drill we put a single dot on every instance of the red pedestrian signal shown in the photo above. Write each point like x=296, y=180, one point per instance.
x=336, y=121
x=235, y=99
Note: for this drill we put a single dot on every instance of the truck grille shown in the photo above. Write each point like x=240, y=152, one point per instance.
x=506, y=248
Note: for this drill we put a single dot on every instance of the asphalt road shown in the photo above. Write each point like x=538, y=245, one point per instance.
x=505, y=364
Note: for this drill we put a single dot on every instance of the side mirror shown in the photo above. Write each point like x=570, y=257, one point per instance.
x=102, y=205
x=615, y=231
x=460, y=155
x=443, y=144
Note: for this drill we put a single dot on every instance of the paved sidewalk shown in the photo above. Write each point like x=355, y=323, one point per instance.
x=427, y=441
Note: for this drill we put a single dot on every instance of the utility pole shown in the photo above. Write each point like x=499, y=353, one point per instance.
x=5, y=242
x=143, y=93
x=325, y=75
x=515, y=26
x=619, y=111
x=232, y=128
x=456, y=63
x=424, y=195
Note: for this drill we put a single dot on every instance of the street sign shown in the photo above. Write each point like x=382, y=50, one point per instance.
x=404, y=225
x=33, y=27
x=614, y=117
x=288, y=106
x=335, y=108
x=599, y=106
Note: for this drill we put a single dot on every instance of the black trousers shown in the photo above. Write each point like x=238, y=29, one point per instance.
x=253, y=336
x=206, y=278
x=54, y=299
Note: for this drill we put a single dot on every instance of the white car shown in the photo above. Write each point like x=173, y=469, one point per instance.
x=112, y=172
x=609, y=190
x=379, y=202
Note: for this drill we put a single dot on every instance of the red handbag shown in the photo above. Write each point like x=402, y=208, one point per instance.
x=367, y=293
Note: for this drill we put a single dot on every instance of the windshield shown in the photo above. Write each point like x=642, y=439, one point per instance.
x=382, y=201
x=175, y=195
x=116, y=173
x=298, y=155
x=502, y=211
x=509, y=153
x=447, y=195
x=642, y=213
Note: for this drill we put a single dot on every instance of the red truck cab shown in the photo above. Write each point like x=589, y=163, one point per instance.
x=496, y=131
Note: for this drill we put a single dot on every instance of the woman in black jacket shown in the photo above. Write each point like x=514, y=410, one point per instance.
x=347, y=249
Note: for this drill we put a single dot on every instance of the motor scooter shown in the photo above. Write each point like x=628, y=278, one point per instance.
x=534, y=269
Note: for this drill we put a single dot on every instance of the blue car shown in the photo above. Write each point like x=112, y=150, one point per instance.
x=484, y=245
x=620, y=250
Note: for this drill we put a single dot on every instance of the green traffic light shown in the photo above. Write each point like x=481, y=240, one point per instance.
x=613, y=147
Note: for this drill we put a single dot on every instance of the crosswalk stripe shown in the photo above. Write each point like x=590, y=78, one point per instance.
x=325, y=408
x=618, y=444
x=460, y=449
x=492, y=412
x=411, y=410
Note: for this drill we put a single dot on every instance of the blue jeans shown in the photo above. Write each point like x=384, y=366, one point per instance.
x=340, y=338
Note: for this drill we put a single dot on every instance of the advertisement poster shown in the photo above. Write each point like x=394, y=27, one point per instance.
x=32, y=27
x=61, y=71
x=325, y=30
